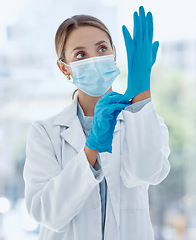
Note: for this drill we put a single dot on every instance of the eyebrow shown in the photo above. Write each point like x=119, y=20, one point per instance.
x=96, y=44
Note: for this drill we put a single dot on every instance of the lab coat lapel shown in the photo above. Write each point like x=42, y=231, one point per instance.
x=74, y=135
x=73, y=132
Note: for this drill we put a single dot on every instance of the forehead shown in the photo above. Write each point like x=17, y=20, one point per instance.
x=85, y=36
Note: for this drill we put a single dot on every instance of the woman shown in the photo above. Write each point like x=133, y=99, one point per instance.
x=88, y=168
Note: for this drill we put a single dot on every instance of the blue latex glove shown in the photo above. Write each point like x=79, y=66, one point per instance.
x=141, y=53
x=105, y=117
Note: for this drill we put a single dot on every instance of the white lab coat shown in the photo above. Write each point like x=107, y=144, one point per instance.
x=62, y=193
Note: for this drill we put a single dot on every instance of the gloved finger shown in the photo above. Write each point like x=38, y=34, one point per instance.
x=128, y=41
x=137, y=27
x=143, y=22
x=105, y=97
x=126, y=33
x=108, y=94
x=119, y=106
x=118, y=98
x=107, y=110
x=114, y=98
x=116, y=113
x=150, y=26
x=155, y=47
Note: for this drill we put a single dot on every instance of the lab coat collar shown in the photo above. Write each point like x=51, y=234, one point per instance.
x=73, y=133
x=67, y=115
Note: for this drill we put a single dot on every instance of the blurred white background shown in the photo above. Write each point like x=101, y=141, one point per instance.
x=32, y=88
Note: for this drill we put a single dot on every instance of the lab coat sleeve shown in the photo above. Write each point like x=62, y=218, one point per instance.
x=54, y=196
x=137, y=106
x=145, y=148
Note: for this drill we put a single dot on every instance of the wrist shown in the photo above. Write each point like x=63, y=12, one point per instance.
x=91, y=155
x=141, y=96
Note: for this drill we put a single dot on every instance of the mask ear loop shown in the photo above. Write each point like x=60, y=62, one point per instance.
x=68, y=76
x=64, y=63
x=114, y=54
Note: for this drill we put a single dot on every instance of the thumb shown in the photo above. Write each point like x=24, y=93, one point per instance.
x=128, y=41
x=155, y=47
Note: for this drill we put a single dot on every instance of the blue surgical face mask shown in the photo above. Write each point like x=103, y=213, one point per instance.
x=95, y=75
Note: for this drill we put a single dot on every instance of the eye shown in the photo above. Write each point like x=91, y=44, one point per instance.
x=102, y=49
x=79, y=55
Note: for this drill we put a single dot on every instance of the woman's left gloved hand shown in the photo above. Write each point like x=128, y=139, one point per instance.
x=105, y=117
x=141, y=53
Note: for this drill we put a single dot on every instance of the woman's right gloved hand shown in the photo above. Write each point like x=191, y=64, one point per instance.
x=105, y=117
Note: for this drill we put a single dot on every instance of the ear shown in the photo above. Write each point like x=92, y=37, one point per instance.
x=63, y=68
x=114, y=52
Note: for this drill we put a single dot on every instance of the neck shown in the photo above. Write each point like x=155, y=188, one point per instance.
x=88, y=102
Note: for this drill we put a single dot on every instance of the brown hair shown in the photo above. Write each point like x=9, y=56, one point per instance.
x=73, y=23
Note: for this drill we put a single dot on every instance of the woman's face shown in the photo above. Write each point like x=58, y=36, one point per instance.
x=86, y=42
